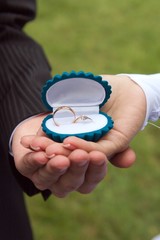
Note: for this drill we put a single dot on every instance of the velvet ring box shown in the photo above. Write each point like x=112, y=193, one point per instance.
x=75, y=100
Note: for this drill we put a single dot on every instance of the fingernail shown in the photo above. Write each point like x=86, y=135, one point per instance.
x=35, y=148
x=51, y=156
x=69, y=146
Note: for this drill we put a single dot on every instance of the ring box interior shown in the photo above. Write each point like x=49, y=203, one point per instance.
x=85, y=94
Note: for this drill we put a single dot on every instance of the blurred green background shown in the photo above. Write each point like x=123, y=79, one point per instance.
x=103, y=36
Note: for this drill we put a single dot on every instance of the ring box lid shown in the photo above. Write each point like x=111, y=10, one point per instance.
x=77, y=90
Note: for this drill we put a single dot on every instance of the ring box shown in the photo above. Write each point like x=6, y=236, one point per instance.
x=85, y=94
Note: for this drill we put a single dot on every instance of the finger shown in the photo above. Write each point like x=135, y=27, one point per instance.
x=95, y=173
x=124, y=159
x=56, y=149
x=103, y=145
x=36, y=143
x=75, y=175
x=46, y=176
x=110, y=144
x=78, y=143
x=30, y=163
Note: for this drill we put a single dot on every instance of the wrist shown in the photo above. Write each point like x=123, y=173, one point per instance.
x=126, y=94
x=150, y=84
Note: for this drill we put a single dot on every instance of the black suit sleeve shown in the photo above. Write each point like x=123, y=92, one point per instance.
x=23, y=71
x=17, y=12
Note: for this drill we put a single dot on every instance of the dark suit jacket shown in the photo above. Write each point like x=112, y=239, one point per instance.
x=23, y=71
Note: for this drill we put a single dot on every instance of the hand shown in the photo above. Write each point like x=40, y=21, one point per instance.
x=127, y=107
x=51, y=166
x=83, y=174
x=60, y=170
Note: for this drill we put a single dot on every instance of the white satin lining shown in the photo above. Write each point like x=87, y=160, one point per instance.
x=67, y=127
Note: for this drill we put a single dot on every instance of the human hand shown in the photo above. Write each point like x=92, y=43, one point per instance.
x=51, y=166
x=127, y=106
x=83, y=174
x=61, y=171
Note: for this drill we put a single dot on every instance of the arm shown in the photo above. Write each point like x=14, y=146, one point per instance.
x=16, y=13
x=127, y=106
x=23, y=71
x=131, y=106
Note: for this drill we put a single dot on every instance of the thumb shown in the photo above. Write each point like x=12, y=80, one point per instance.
x=124, y=159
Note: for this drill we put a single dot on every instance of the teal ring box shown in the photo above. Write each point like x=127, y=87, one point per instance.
x=85, y=94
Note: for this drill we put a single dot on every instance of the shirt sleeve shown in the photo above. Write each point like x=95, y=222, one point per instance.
x=24, y=69
x=17, y=13
x=150, y=84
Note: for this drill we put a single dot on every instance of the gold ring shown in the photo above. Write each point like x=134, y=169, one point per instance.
x=82, y=118
x=63, y=108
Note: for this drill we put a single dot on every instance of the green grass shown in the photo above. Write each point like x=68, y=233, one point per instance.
x=103, y=36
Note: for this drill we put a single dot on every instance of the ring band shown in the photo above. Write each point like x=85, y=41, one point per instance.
x=82, y=118
x=63, y=108
x=76, y=119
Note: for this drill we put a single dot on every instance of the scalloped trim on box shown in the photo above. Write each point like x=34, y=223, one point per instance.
x=73, y=74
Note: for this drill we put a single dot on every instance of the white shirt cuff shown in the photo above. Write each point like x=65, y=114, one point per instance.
x=150, y=84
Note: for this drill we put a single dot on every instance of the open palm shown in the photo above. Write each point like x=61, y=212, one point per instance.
x=127, y=107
